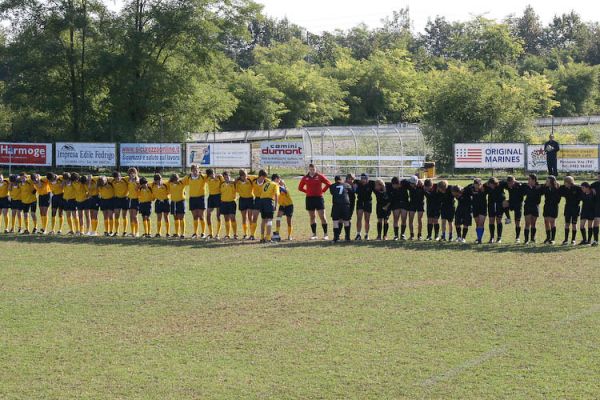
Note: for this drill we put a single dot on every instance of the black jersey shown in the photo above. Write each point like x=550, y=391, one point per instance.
x=416, y=196
x=552, y=196
x=495, y=195
x=351, y=195
x=596, y=187
x=572, y=195
x=400, y=194
x=384, y=198
x=465, y=201
x=340, y=193
x=588, y=204
x=446, y=200
x=516, y=193
x=434, y=199
x=364, y=192
x=478, y=197
x=533, y=195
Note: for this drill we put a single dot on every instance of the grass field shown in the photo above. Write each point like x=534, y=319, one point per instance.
x=92, y=318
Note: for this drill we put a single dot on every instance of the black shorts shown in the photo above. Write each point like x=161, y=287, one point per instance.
x=365, y=206
x=57, y=201
x=517, y=209
x=597, y=211
x=227, y=207
x=162, y=207
x=267, y=208
x=463, y=218
x=448, y=214
x=134, y=204
x=399, y=205
x=340, y=212
x=121, y=203
x=29, y=207
x=383, y=213
x=197, y=203
x=314, y=203
x=82, y=205
x=93, y=203
x=4, y=203
x=214, y=201
x=178, y=207
x=16, y=204
x=550, y=211
x=588, y=214
x=70, y=205
x=246, y=203
x=479, y=211
x=44, y=200
x=496, y=209
x=145, y=209
x=532, y=210
x=288, y=211
x=107, y=204
x=416, y=207
x=572, y=214
x=434, y=213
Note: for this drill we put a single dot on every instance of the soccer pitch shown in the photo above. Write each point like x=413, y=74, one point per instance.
x=108, y=318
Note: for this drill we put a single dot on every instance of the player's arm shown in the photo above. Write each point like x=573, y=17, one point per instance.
x=302, y=185
x=326, y=183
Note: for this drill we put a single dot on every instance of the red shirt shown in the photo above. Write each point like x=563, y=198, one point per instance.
x=314, y=186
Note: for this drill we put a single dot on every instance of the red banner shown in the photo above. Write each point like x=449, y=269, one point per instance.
x=39, y=154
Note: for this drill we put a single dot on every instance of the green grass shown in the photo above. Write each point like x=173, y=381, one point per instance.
x=93, y=318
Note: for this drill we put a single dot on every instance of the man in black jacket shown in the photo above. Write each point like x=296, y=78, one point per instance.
x=551, y=147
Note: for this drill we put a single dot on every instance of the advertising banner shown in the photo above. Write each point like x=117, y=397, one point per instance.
x=282, y=154
x=220, y=155
x=489, y=155
x=151, y=155
x=86, y=154
x=36, y=154
x=571, y=158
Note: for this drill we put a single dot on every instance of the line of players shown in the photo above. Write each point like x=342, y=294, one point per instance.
x=404, y=201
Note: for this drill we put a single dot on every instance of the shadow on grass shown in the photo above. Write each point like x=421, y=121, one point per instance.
x=200, y=243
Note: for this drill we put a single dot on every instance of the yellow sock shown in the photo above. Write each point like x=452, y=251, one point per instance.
x=195, y=226
x=218, y=227
x=234, y=228
x=158, y=226
x=76, y=224
x=12, y=223
x=268, y=236
x=94, y=225
x=146, y=227
x=61, y=222
x=168, y=226
x=135, y=227
x=253, y=227
x=177, y=227
x=53, y=223
x=20, y=221
x=245, y=229
x=106, y=224
x=5, y=218
x=27, y=223
x=124, y=225
x=290, y=230
x=182, y=227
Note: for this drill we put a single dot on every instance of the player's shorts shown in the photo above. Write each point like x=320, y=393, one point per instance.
x=267, y=208
x=517, y=209
x=121, y=203
x=57, y=201
x=29, y=207
x=227, y=207
x=288, y=211
x=550, y=211
x=16, y=204
x=314, y=203
x=93, y=203
x=434, y=212
x=588, y=213
x=178, y=207
x=463, y=218
x=107, y=204
x=383, y=213
x=365, y=206
x=44, y=200
x=4, y=202
x=197, y=203
x=495, y=209
x=399, y=205
x=145, y=208
x=597, y=210
x=214, y=201
x=340, y=212
x=162, y=207
x=532, y=210
x=448, y=213
x=572, y=214
x=418, y=207
x=134, y=204
x=70, y=205
x=246, y=203
x=82, y=205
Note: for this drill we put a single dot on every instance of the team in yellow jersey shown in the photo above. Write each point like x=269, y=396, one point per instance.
x=81, y=197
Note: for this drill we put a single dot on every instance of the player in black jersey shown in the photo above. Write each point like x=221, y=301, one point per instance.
x=572, y=194
x=434, y=209
x=533, y=197
x=350, y=179
x=516, y=196
x=463, y=218
x=588, y=213
x=416, y=206
x=596, y=188
x=383, y=207
x=399, y=206
x=479, y=199
x=340, y=212
x=447, y=210
x=552, y=198
x=364, y=204
x=496, y=199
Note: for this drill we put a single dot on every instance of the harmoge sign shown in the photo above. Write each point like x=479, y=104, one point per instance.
x=489, y=155
x=151, y=155
x=38, y=154
x=86, y=154
x=571, y=158
x=282, y=154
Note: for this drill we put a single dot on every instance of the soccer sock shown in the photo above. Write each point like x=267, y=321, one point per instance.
x=324, y=226
x=553, y=232
x=106, y=225
x=20, y=221
x=590, y=234
x=234, y=228
x=245, y=229
x=574, y=234
x=518, y=231
x=182, y=227
x=253, y=227
x=218, y=232
x=313, y=228
x=5, y=219
x=583, y=234
x=202, y=226
x=396, y=231
x=526, y=234
x=196, y=223
x=429, y=230
x=464, y=232
x=347, y=232
x=134, y=226
x=458, y=232
x=492, y=228
x=386, y=228
x=147, y=227
x=596, y=231
x=403, y=231
x=115, y=224
x=168, y=226
x=336, y=232
x=436, y=229
x=124, y=225
x=533, y=232
x=290, y=229
x=507, y=212
x=379, y=228
x=94, y=224
x=176, y=227
x=480, y=232
x=548, y=234
x=500, y=228
x=566, y=234
x=27, y=223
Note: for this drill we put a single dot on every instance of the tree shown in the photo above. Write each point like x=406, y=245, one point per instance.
x=576, y=88
x=529, y=29
x=438, y=36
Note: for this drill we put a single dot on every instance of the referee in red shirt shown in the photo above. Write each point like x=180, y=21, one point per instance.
x=314, y=185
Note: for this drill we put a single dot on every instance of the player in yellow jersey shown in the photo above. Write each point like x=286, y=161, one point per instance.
x=227, y=208
x=83, y=222
x=269, y=198
x=257, y=186
x=69, y=203
x=93, y=204
x=42, y=188
x=244, y=185
x=29, y=202
x=214, y=202
x=4, y=201
x=106, y=193
x=14, y=191
x=162, y=207
x=145, y=197
x=286, y=207
x=177, y=190
x=56, y=187
x=197, y=184
x=133, y=201
x=120, y=202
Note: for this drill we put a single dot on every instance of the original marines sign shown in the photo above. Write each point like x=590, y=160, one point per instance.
x=489, y=155
x=282, y=154
x=86, y=154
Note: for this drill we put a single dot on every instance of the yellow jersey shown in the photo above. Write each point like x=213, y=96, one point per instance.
x=68, y=191
x=144, y=194
x=258, y=186
x=106, y=192
x=269, y=190
x=4, y=184
x=214, y=185
x=42, y=187
x=245, y=188
x=284, y=197
x=132, y=187
x=197, y=185
x=121, y=187
x=93, y=188
x=15, y=192
x=160, y=192
x=28, y=192
x=57, y=187
x=228, y=191
x=177, y=191
x=81, y=192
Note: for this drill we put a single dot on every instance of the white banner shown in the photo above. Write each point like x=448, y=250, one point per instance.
x=151, y=155
x=36, y=154
x=570, y=158
x=282, y=154
x=86, y=154
x=489, y=155
x=221, y=155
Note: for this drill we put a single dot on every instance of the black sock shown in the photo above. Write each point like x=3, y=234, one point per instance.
x=403, y=229
x=458, y=231
x=566, y=234
x=573, y=234
x=583, y=234
x=590, y=234
x=324, y=229
x=500, y=226
x=492, y=229
x=436, y=229
x=518, y=231
x=526, y=234
x=553, y=233
x=379, y=228
x=386, y=228
x=596, y=231
x=548, y=235
x=429, y=230
x=336, y=233
x=533, y=232
x=347, y=231
x=313, y=228
x=507, y=212
x=396, y=231
x=464, y=232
